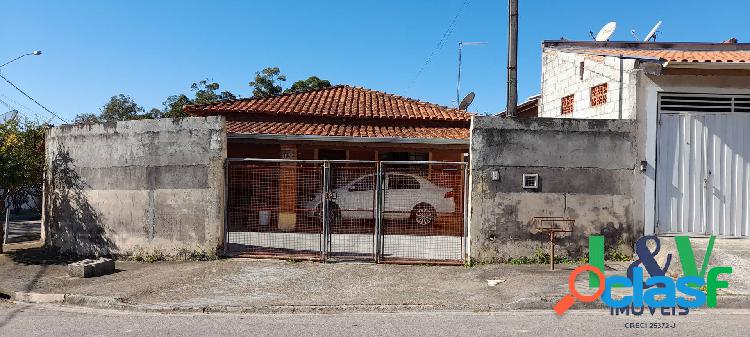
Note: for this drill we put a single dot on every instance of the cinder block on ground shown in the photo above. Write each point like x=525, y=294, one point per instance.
x=91, y=268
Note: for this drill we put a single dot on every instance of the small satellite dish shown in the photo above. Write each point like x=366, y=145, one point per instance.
x=606, y=32
x=466, y=101
x=652, y=33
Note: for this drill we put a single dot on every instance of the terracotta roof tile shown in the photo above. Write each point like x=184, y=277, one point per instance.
x=409, y=130
x=673, y=55
x=336, y=101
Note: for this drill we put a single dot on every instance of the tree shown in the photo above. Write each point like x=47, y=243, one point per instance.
x=311, y=83
x=265, y=83
x=205, y=92
x=21, y=161
x=86, y=118
x=121, y=108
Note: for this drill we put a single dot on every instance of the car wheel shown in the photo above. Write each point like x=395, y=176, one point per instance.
x=423, y=215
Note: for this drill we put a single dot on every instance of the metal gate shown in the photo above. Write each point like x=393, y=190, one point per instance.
x=703, y=164
x=394, y=212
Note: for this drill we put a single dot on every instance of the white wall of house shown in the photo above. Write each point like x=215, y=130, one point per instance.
x=562, y=76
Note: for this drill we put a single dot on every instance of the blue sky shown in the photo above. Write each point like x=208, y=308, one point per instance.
x=152, y=49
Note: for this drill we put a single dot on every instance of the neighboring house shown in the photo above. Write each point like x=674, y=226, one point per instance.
x=341, y=122
x=692, y=104
x=527, y=109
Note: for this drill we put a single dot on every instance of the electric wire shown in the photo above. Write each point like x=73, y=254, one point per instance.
x=438, y=47
x=32, y=99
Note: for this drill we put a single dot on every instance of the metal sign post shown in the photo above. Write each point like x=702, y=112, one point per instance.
x=550, y=226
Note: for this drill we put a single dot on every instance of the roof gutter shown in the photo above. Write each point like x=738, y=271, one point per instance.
x=707, y=65
x=396, y=140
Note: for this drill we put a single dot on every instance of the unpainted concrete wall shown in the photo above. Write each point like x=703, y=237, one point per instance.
x=136, y=187
x=588, y=170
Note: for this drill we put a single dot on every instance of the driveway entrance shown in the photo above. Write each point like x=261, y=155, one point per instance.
x=380, y=211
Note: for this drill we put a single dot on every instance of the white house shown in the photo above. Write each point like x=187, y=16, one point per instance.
x=692, y=103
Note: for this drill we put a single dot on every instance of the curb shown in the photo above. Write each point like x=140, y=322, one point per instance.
x=536, y=303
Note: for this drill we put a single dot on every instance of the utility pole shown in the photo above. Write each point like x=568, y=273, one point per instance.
x=512, y=98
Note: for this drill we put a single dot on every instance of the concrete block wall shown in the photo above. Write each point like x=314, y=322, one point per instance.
x=136, y=187
x=561, y=76
x=588, y=171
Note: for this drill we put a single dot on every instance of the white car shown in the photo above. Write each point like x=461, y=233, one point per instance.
x=406, y=196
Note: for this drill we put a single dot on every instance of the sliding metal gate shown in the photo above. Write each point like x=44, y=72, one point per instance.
x=395, y=212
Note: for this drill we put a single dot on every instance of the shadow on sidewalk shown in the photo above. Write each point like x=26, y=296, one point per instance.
x=35, y=254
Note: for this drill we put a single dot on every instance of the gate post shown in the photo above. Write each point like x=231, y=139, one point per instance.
x=378, y=211
x=325, y=196
x=225, y=239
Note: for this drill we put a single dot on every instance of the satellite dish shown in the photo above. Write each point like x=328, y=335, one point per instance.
x=606, y=32
x=466, y=101
x=652, y=33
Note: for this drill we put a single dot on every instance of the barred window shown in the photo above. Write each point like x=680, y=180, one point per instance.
x=599, y=94
x=567, y=105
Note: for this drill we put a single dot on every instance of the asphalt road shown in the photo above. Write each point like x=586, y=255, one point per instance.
x=24, y=320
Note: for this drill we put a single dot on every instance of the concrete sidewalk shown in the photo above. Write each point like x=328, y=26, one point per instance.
x=248, y=285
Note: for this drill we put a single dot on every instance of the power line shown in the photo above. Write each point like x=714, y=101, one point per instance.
x=33, y=100
x=439, y=46
x=16, y=111
x=7, y=105
x=16, y=103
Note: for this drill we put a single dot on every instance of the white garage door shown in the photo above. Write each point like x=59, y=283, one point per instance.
x=703, y=164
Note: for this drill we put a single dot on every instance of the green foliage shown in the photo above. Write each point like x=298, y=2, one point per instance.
x=121, y=108
x=615, y=255
x=140, y=255
x=311, y=83
x=21, y=159
x=86, y=118
x=205, y=93
x=265, y=83
x=173, y=106
x=541, y=257
x=195, y=255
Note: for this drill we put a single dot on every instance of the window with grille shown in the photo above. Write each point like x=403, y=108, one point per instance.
x=599, y=94
x=567, y=105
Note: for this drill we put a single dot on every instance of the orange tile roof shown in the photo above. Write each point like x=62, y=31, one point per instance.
x=406, y=130
x=336, y=101
x=673, y=55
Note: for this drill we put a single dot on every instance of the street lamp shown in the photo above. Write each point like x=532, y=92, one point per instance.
x=35, y=53
x=458, y=85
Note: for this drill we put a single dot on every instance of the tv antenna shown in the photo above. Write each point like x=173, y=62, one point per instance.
x=652, y=33
x=458, y=83
x=466, y=101
x=606, y=32
x=635, y=36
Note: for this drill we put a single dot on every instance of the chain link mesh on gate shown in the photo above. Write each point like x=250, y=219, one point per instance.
x=403, y=212
x=352, y=212
x=423, y=211
x=269, y=210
